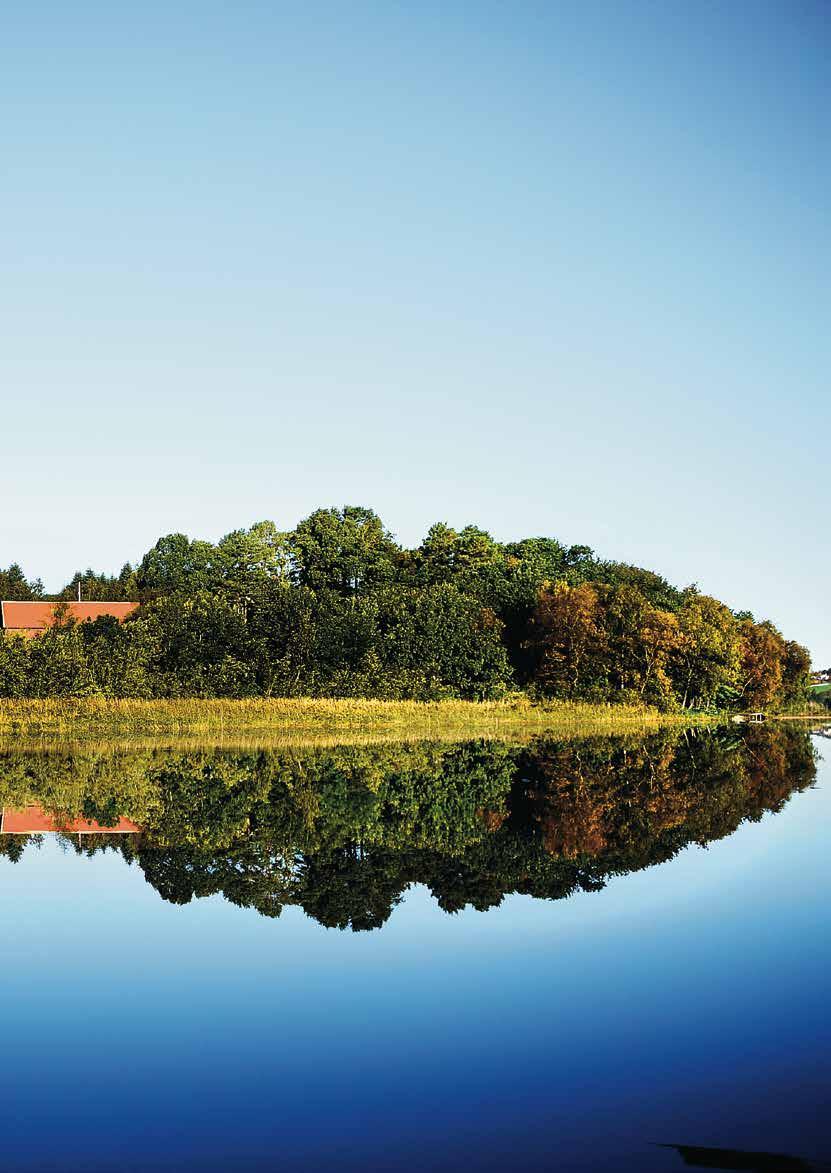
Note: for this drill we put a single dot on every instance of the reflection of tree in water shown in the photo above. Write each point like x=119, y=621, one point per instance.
x=343, y=833
x=13, y=846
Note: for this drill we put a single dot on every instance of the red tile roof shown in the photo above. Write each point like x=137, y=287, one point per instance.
x=34, y=617
x=33, y=820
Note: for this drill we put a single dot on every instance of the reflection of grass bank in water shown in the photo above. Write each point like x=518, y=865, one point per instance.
x=299, y=720
x=303, y=740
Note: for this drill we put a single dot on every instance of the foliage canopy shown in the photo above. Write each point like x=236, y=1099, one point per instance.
x=336, y=607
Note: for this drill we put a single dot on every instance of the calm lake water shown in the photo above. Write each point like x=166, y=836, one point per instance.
x=563, y=955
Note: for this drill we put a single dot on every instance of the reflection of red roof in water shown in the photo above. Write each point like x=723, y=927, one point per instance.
x=30, y=618
x=33, y=820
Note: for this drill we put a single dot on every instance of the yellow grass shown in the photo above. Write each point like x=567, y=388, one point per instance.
x=300, y=721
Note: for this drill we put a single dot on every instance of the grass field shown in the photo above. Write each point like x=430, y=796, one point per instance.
x=307, y=721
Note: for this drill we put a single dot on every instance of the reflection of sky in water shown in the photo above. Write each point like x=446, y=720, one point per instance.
x=686, y=1003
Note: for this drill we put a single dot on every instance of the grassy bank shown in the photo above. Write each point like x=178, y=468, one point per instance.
x=302, y=721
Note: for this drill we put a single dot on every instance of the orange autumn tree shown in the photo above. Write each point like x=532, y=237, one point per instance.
x=762, y=649
x=593, y=639
x=568, y=640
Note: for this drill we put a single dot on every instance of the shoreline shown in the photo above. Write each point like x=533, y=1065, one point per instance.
x=314, y=721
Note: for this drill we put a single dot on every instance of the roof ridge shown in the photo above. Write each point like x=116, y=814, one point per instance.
x=71, y=602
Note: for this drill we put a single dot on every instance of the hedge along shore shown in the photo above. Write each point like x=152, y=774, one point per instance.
x=312, y=721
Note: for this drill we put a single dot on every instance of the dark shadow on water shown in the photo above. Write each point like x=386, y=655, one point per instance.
x=699, y=1157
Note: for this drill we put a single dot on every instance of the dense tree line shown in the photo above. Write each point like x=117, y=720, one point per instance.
x=344, y=832
x=337, y=608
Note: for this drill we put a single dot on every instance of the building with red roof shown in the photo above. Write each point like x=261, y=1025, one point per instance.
x=30, y=619
x=34, y=820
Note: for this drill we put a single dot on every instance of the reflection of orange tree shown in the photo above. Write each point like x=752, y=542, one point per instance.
x=777, y=760
x=577, y=828
x=492, y=819
x=582, y=795
x=608, y=798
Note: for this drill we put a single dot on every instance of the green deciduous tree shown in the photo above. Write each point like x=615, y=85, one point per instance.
x=346, y=551
x=707, y=659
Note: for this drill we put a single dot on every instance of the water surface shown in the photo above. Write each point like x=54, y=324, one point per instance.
x=417, y=957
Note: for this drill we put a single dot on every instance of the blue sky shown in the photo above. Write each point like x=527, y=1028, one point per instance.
x=550, y=268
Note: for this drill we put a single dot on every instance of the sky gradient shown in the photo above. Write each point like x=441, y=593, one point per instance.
x=549, y=268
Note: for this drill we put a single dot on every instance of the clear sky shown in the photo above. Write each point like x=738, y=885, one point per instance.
x=549, y=268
